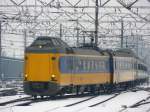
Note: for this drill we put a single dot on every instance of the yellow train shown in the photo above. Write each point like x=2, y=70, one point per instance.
x=52, y=67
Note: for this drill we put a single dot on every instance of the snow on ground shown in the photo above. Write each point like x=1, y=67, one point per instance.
x=141, y=108
x=8, y=98
x=145, y=108
x=83, y=105
x=44, y=106
x=117, y=104
x=125, y=99
x=145, y=85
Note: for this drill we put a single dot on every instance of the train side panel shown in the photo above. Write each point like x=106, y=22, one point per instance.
x=84, y=79
x=82, y=70
x=124, y=69
x=142, y=72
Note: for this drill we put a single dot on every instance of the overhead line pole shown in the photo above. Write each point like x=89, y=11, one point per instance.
x=25, y=39
x=96, y=22
x=1, y=50
x=60, y=31
x=77, y=28
x=122, y=32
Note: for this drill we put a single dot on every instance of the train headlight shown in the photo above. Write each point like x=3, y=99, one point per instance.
x=53, y=77
x=26, y=76
x=40, y=46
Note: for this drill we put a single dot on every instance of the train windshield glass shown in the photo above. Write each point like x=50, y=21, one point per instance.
x=42, y=43
x=48, y=42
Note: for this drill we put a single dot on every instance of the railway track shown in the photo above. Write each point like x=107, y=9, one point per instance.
x=137, y=104
x=96, y=104
x=116, y=94
x=89, y=100
x=29, y=100
x=141, y=102
x=15, y=101
x=144, y=89
x=25, y=101
x=72, y=104
x=8, y=92
x=80, y=101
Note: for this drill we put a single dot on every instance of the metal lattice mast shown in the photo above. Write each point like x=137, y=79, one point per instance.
x=0, y=49
x=96, y=22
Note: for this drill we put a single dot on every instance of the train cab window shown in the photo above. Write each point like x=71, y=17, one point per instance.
x=43, y=42
x=48, y=42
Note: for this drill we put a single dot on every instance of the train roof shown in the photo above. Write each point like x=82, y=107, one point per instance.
x=82, y=51
x=55, y=41
x=124, y=52
x=90, y=49
x=55, y=44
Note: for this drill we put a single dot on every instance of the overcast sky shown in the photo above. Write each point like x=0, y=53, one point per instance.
x=13, y=46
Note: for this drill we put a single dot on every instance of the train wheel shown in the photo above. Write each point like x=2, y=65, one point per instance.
x=42, y=96
x=82, y=89
x=92, y=89
x=35, y=97
x=61, y=94
x=77, y=90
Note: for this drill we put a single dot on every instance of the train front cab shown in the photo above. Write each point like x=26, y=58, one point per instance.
x=41, y=75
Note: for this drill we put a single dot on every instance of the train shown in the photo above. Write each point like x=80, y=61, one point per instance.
x=52, y=67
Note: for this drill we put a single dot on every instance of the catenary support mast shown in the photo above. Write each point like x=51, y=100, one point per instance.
x=96, y=23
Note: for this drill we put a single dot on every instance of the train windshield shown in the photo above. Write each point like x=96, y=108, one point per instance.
x=48, y=42
x=43, y=43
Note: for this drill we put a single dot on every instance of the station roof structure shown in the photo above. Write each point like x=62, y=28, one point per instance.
x=74, y=21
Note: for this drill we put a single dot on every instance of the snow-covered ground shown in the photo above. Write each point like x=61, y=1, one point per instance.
x=8, y=98
x=120, y=103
